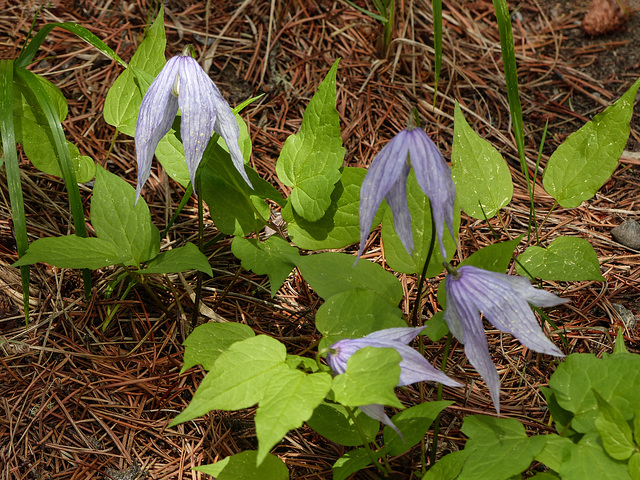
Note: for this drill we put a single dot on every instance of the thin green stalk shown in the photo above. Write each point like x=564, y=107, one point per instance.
x=436, y=423
x=112, y=311
x=436, y=6
x=142, y=281
x=372, y=456
x=8, y=135
x=183, y=202
x=196, y=311
x=418, y=303
x=511, y=78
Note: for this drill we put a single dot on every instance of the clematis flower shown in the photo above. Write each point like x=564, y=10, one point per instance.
x=413, y=366
x=504, y=301
x=387, y=178
x=183, y=83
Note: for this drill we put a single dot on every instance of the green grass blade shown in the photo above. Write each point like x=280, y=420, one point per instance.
x=8, y=136
x=511, y=77
x=375, y=16
x=26, y=56
x=64, y=157
x=436, y=6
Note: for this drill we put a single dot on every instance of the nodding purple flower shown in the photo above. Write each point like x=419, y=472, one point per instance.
x=413, y=366
x=387, y=178
x=183, y=83
x=504, y=301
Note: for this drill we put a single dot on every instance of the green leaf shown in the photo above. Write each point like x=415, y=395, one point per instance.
x=614, y=430
x=244, y=465
x=208, y=341
x=589, y=156
x=354, y=314
x=636, y=426
x=235, y=208
x=634, y=466
x=340, y=225
x=544, y=476
x=115, y=218
x=587, y=460
x=170, y=154
x=616, y=378
x=331, y=273
x=72, y=252
x=413, y=423
x=26, y=56
x=495, y=257
x=42, y=154
x=334, y=423
x=125, y=95
x=351, y=462
x=565, y=259
x=436, y=326
x=482, y=177
x=24, y=105
x=420, y=208
x=49, y=113
x=555, y=451
x=289, y=400
x=619, y=346
x=305, y=363
x=498, y=448
x=180, y=259
x=372, y=374
x=310, y=161
x=272, y=257
x=448, y=467
x=238, y=377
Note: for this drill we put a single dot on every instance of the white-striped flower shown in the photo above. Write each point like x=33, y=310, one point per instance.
x=387, y=178
x=183, y=84
x=413, y=366
x=504, y=301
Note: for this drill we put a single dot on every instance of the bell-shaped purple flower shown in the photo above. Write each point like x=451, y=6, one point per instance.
x=387, y=178
x=183, y=83
x=413, y=366
x=504, y=301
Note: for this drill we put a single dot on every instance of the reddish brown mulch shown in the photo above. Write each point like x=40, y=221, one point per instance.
x=80, y=403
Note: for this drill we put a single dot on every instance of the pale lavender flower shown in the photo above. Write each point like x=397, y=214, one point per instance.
x=504, y=301
x=413, y=366
x=387, y=178
x=183, y=83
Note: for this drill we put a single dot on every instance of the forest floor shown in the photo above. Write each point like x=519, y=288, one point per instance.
x=77, y=402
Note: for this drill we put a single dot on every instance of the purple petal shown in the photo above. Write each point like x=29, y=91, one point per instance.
x=398, y=334
x=475, y=342
x=493, y=294
x=397, y=200
x=384, y=171
x=535, y=296
x=198, y=112
x=376, y=412
x=227, y=127
x=434, y=177
x=415, y=368
x=157, y=112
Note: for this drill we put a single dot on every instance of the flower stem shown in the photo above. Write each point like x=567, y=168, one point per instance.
x=196, y=311
x=436, y=423
x=370, y=452
x=417, y=306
